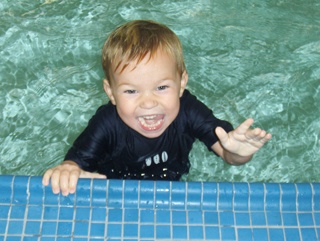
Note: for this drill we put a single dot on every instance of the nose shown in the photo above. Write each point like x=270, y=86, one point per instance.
x=148, y=101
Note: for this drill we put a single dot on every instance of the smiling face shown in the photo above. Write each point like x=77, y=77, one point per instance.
x=147, y=94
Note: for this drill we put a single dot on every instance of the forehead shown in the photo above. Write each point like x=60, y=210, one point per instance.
x=125, y=63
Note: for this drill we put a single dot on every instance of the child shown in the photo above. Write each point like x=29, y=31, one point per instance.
x=147, y=129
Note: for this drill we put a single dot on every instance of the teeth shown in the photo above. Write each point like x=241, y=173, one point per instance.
x=150, y=126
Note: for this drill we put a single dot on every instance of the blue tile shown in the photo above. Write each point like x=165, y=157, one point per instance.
x=289, y=197
x=317, y=218
x=82, y=214
x=163, y=232
x=114, y=215
x=163, y=216
x=4, y=211
x=272, y=197
x=68, y=200
x=292, y=234
x=83, y=192
x=17, y=212
x=47, y=239
x=211, y=218
x=179, y=232
x=246, y=234
x=289, y=219
x=195, y=217
x=15, y=227
x=257, y=197
x=131, y=194
x=131, y=215
x=49, y=197
x=26, y=238
x=48, y=228
x=97, y=230
x=3, y=226
x=276, y=234
x=194, y=190
x=228, y=233
x=6, y=183
x=305, y=219
x=274, y=218
x=260, y=234
x=99, y=192
x=225, y=196
x=241, y=197
x=305, y=197
x=32, y=228
x=212, y=233
x=179, y=217
x=316, y=198
x=36, y=190
x=147, y=193
x=99, y=214
x=64, y=228
x=147, y=216
x=210, y=196
x=242, y=219
x=162, y=197
x=13, y=238
x=309, y=234
x=226, y=218
x=258, y=219
x=196, y=232
x=81, y=228
x=20, y=187
x=51, y=213
x=114, y=230
x=66, y=213
x=178, y=195
x=115, y=193
x=34, y=212
x=147, y=231
x=131, y=230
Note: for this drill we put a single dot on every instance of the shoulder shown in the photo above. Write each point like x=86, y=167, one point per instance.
x=191, y=105
x=106, y=116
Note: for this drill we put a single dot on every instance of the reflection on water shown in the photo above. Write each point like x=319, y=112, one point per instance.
x=245, y=59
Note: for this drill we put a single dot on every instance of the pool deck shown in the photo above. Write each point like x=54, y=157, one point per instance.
x=147, y=210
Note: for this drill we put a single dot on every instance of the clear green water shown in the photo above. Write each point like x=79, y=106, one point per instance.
x=257, y=59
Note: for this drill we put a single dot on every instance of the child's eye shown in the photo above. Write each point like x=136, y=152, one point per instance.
x=163, y=87
x=130, y=91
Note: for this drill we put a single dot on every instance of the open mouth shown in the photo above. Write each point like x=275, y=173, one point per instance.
x=151, y=122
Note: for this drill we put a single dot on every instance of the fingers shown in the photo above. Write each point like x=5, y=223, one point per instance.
x=46, y=177
x=92, y=175
x=244, y=126
x=65, y=177
x=222, y=134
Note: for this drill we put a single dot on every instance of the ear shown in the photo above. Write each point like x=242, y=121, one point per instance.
x=108, y=90
x=183, y=83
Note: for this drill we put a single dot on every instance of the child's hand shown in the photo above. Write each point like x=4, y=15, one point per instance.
x=65, y=177
x=243, y=141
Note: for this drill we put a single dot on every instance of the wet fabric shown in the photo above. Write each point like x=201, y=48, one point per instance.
x=108, y=146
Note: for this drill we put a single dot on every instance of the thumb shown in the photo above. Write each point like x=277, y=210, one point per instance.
x=222, y=134
x=85, y=174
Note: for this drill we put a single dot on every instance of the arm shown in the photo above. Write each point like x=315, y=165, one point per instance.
x=65, y=177
x=238, y=146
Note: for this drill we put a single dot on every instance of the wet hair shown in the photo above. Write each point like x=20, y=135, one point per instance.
x=135, y=40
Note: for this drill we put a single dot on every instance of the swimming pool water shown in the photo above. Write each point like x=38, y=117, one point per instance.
x=245, y=59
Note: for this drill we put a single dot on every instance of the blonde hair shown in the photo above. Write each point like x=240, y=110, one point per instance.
x=135, y=40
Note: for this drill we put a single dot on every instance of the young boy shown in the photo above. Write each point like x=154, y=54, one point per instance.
x=147, y=129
